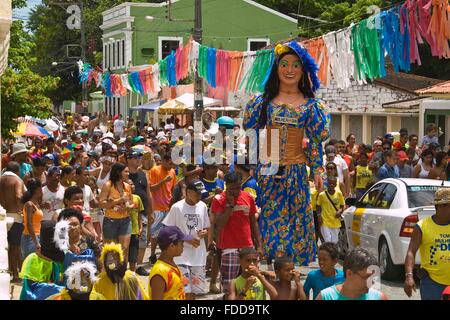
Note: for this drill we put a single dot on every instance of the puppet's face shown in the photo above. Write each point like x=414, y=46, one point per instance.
x=290, y=70
x=112, y=260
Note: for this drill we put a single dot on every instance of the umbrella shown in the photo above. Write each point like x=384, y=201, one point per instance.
x=141, y=148
x=174, y=107
x=28, y=129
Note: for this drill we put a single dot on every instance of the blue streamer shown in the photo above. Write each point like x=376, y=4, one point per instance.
x=106, y=82
x=137, y=82
x=84, y=75
x=171, y=74
x=393, y=42
x=211, y=76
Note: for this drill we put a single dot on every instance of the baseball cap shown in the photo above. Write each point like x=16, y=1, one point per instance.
x=388, y=136
x=108, y=135
x=377, y=143
x=397, y=145
x=138, y=139
x=54, y=169
x=402, y=155
x=134, y=154
x=50, y=156
x=190, y=128
x=170, y=234
x=442, y=196
x=197, y=186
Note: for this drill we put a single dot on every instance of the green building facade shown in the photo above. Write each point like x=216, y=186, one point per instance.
x=137, y=34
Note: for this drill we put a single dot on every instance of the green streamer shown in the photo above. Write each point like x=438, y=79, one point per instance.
x=255, y=78
x=202, y=65
x=365, y=46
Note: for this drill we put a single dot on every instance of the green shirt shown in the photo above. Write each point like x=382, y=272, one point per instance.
x=256, y=292
x=134, y=213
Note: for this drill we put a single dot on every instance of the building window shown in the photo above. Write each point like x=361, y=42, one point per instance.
x=167, y=44
x=356, y=126
x=123, y=53
x=105, y=56
x=119, y=54
x=257, y=44
x=114, y=64
x=336, y=126
x=378, y=126
x=110, y=56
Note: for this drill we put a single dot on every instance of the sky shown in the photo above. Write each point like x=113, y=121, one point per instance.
x=23, y=13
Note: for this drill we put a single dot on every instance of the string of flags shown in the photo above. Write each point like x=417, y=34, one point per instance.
x=357, y=52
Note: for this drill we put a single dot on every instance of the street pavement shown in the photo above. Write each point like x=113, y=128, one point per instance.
x=392, y=289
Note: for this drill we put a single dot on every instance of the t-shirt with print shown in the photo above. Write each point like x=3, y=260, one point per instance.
x=134, y=213
x=173, y=279
x=190, y=220
x=88, y=196
x=118, y=126
x=236, y=233
x=163, y=195
x=212, y=185
x=256, y=292
x=251, y=186
x=55, y=199
x=328, y=211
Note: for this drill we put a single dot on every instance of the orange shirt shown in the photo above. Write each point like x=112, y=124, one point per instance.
x=114, y=194
x=36, y=219
x=162, y=196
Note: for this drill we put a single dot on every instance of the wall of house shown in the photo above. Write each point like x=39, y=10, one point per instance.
x=359, y=110
x=227, y=25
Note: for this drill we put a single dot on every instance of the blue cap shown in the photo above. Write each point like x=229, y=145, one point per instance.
x=170, y=234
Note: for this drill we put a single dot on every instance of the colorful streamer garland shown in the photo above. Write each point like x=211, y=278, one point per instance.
x=396, y=32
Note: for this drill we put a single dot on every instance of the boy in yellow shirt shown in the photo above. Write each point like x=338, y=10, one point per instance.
x=330, y=205
x=166, y=280
x=363, y=175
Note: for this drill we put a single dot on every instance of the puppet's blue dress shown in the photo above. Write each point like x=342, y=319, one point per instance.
x=286, y=222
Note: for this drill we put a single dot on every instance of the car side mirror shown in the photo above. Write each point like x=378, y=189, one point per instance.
x=350, y=201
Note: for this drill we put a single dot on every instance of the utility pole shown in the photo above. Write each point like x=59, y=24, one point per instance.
x=198, y=83
x=83, y=57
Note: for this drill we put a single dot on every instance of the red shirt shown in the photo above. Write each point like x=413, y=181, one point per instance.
x=236, y=233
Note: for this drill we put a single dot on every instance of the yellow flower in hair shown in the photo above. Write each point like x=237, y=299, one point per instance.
x=280, y=49
x=112, y=247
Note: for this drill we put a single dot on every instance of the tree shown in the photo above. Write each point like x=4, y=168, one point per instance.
x=23, y=92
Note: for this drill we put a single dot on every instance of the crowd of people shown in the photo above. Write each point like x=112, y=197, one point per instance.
x=83, y=221
x=88, y=201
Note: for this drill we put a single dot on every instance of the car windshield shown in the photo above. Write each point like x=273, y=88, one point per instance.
x=421, y=196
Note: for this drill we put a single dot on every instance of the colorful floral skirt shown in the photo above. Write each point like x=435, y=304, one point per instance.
x=286, y=222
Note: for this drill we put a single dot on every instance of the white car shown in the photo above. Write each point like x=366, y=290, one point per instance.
x=383, y=219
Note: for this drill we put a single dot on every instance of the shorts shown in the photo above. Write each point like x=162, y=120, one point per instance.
x=229, y=268
x=133, y=248
x=157, y=224
x=15, y=234
x=27, y=245
x=115, y=228
x=330, y=234
x=143, y=240
x=194, y=278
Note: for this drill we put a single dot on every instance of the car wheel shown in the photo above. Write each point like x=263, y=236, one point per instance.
x=342, y=243
x=388, y=270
